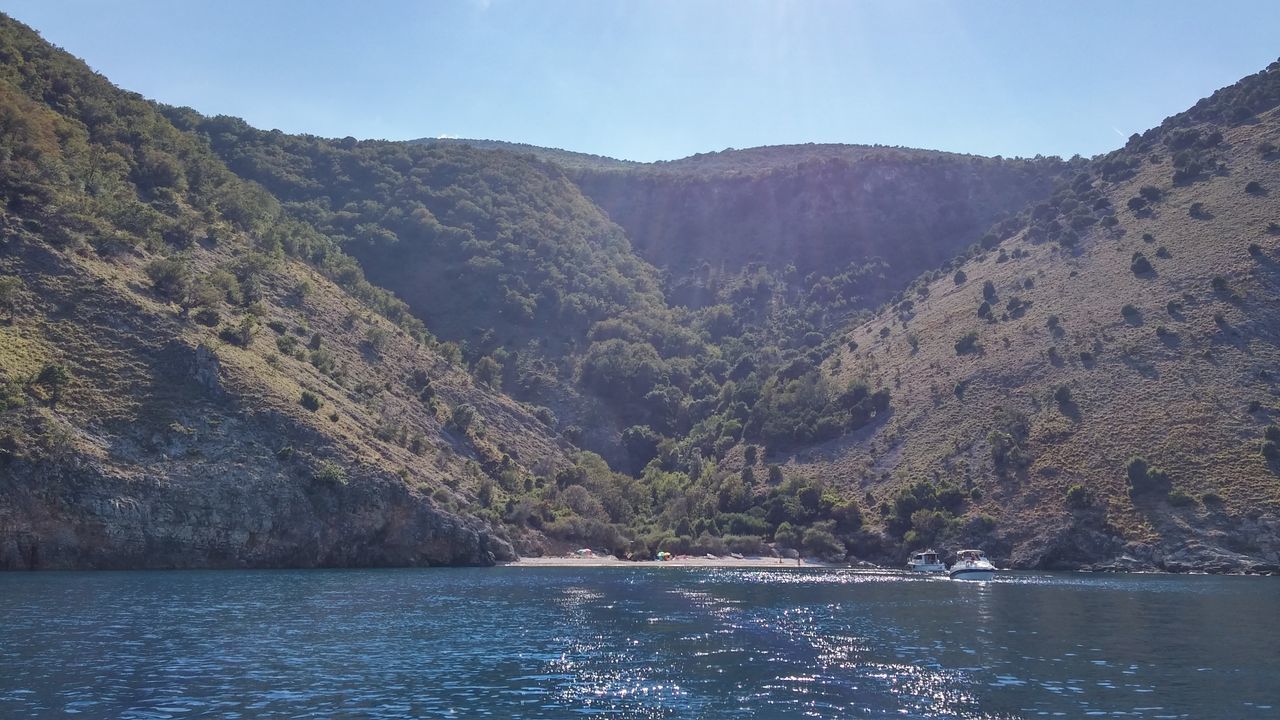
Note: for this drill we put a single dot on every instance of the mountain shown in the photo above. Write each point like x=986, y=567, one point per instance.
x=222, y=346
x=1101, y=386
x=178, y=390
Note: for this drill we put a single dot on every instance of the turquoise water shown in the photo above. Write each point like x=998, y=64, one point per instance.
x=635, y=643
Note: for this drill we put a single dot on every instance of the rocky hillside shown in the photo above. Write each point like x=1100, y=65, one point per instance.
x=188, y=378
x=1100, y=388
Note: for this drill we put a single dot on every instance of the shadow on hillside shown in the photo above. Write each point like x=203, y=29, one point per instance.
x=1141, y=366
x=1071, y=410
x=1171, y=340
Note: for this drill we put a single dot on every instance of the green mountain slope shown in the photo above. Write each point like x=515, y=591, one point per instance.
x=189, y=378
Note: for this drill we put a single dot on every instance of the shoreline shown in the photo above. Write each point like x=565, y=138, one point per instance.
x=689, y=561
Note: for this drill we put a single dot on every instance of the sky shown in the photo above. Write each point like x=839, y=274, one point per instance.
x=663, y=79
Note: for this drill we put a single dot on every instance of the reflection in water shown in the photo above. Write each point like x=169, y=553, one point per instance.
x=635, y=643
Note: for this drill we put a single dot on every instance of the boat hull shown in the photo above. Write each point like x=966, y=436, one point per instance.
x=973, y=574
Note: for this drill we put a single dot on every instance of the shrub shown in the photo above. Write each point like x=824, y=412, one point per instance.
x=1130, y=312
x=989, y=291
x=1052, y=322
x=1086, y=357
x=1078, y=496
x=311, y=401
x=984, y=310
x=968, y=343
x=822, y=543
x=1253, y=188
x=242, y=334
x=1137, y=203
x=208, y=317
x=463, y=417
x=1151, y=193
x=1210, y=497
x=1255, y=249
x=53, y=377
x=1272, y=433
x=1178, y=498
x=1143, y=478
x=1197, y=210
x=9, y=289
x=1140, y=265
x=1219, y=283
x=788, y=536
x=331, y=473
x=1271, y=450
x=170, y=277
x=1148, y=238
x=960, y=277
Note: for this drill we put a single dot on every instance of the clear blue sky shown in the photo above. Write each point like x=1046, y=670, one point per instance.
x=663, y=79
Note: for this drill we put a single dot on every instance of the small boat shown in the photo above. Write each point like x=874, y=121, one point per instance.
x=927, y=561
x=972, y=565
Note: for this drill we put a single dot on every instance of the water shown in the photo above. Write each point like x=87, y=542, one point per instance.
x=635, y=643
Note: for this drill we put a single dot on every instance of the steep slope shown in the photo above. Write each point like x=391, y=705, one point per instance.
x=1133, y=315
x=819, y=208
x=180, y=391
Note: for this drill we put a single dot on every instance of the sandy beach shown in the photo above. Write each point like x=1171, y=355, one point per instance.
x=682, y=561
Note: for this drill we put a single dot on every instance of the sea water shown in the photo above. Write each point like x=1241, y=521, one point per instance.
x=632, y=642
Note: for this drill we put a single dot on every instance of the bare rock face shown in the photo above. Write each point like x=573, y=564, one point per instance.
x=87, y=518
x=205, y=369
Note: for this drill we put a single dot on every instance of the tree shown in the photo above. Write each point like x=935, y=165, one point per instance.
x=53, y=377
x=10, y=287
x=171, y=277
x=488, y=371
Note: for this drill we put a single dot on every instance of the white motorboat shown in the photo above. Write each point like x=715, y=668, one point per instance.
x=972, y=565
x=927, y=561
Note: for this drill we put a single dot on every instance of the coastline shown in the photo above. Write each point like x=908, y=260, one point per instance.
x=683, y=561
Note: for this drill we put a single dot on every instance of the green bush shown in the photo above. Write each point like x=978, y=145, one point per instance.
x=1078, y=496
x=53, y=377
x=331, y=473
x=1178, y=498
x=1140, y=265
x=311, y=401
x=960, y=277
x=1142, y=478
x=170, y=277
x=208, y=317
x=989, y=291
x=463, y=417
x=822, y=543
x=788, y=536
